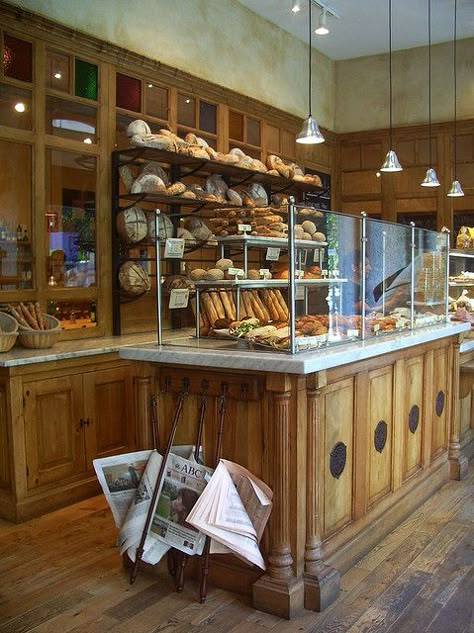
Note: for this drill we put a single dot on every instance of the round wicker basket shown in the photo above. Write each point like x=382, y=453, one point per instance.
x=40, y=339
x=8, y=332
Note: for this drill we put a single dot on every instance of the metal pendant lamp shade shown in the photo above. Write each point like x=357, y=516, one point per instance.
x=455, y=191
x=431, y=179
x=310, y=133
x=391, y=162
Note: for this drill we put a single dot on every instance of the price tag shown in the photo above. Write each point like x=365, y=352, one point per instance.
x=174, y=248
x=376, y=328
x=265, y=273
x=324, y=273
x=243, y=228
x=353, y=333
x=300, y=294
x=273, y=254
x=179, y=298
x=299, y=274
x=236, y=272
x=399, y=324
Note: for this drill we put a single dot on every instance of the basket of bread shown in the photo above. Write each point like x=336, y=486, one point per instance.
x=8, y=332
x=36, y=330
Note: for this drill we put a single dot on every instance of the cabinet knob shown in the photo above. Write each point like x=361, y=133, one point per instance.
x=84, y=422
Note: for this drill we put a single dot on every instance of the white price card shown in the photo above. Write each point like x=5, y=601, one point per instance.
x=243, y=228
x=273, y=254
x=174, y=248
x=179, y=298
x=299, y=274
x=265, y=273
x=300, y=293
x=353, y=333
x=324, y=272
x=236, y=272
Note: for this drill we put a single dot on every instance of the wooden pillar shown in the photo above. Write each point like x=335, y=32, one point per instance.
x=458, y=463
x=279, y=591
x=143, y=390
x=321, y=582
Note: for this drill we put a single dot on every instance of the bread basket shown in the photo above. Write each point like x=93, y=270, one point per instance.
x=8, y=332
x=40, y=339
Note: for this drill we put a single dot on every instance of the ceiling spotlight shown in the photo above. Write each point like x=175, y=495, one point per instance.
x=57, y=75
x=188, y=101
x=20, y=107
x=295, y=7
x=322, y=26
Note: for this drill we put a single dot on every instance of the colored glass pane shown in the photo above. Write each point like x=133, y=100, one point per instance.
x=129, y=92
x=15, y=107
x=208, y=117
x=57, y=71
x=17, y=58
x=85, y=80
x=186, y=110
x=156, y=101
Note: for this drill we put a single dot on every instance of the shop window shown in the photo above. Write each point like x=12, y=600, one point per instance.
x=85, y=80
x=15, y=107
x=236, y=126
x=208, y=117
x=57, y=71
x=72, y=120
x=70, y=214
x=129, y=93
x=17, y=58
x=16, y=270
x=156, y=101
x=253, y=132
x=186, y=110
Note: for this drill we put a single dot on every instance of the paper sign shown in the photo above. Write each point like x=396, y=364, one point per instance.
x=243, y=228
x=265, y=273
x=353, y=333
x=237, y=272
x=273, y=254
x=179, y=298
x=174, y=248
x=299, y=274
x=300, y=293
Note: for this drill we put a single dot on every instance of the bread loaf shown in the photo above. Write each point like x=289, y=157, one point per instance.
x=148, y=183
x=138, y=128
x=134, y=279
x=176, y=189
x=132, y=225
x=165, y=226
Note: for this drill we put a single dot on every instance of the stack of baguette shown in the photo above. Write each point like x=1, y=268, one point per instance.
x=264, y=222
x=28, y=316
x=218, y=307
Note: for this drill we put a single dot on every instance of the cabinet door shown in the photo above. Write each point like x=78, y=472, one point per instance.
x=108, y=398
x=54, y=436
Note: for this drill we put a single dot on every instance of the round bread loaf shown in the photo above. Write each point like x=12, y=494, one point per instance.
x=134, y=279
x=165, y=226
x=237, y=152
x=214, y=274
x=234, y=197
x=319, y=237
x=148, y=183
x=198, y=229
x=253, y=274
x=186, y=235
x=191, y=138
x=224, y=264
x=306, y=236
x=309, y=227
x=138, y=128
x=154, y=168
x=258, y=194
x=201, y=142
x=176, y=189
x=189, y=194
x=197, y=274
x=215, y=184
x=132, y=225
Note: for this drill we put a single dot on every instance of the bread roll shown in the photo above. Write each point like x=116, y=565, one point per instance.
x=309, y=227
x=214, y=274
x=176, y=189
x=319, y=237
x=234, y=197
x=197, y=274
x=139, y=128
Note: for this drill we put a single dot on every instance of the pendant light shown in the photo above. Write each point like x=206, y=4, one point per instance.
x=455, y=190
x=391, y=162
x=431, y=179
x=310, y=134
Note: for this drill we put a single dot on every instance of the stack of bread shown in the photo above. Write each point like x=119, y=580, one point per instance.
x=263, y=221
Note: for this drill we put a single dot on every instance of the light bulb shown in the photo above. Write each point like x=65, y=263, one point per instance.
x=296, y=7
x=57, y=75
x=322, y=27
x=87, y=141
x=20, y=107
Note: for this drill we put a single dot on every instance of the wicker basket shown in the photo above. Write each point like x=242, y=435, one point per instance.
x=8, y=332
x=40, y=339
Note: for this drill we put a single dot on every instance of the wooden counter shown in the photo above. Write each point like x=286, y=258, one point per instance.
x=349, y=447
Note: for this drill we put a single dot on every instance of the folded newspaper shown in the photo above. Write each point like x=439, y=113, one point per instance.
x=232, y=506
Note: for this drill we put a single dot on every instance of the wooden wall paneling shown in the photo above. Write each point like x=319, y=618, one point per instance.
x=440, y=395
x=271, y=138
x=351, y=157
x=413, y=405
x=458, y=463
x=5, y=477
x=222, y=128
x=360, y=183
x=380, y=418
x=371, y=207
x=361, y=439
x=288, y=143
x=18, y=460
x=337, y=411
x=399, y=444
x=371, y=153
x=428, y=408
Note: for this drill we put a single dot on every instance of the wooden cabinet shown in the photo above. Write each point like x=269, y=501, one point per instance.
x=58, y=420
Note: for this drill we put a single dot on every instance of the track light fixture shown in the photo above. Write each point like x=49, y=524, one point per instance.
x=455, y=190
x=322, y=26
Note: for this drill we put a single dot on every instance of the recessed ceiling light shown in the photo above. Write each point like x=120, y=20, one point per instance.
x=57, y=75
x=188, y=100
x=88, y=141
x=20, y=107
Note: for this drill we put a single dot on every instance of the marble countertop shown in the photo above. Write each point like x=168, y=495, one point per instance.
x=191, y=352
x=467, y=345
x=73, y=349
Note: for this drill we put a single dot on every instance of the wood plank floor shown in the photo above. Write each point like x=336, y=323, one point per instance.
x=61, y=573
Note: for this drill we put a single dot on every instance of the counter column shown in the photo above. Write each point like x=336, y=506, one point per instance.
x=458, y=463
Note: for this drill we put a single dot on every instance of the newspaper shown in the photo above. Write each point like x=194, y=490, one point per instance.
x=233, y=510
x=119, y=477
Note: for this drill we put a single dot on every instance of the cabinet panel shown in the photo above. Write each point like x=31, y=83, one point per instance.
x=54, y=438
x=380, y=420
x=440, y=402
x=108, y=411
x=4, y=452
x=413, y=416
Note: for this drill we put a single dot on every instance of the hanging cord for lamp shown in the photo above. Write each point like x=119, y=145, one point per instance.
x=429, y=80
x=390, y=67
x=455, y=83
x=310, y=57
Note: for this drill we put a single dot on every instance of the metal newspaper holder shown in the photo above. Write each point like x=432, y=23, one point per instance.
x=177, y=560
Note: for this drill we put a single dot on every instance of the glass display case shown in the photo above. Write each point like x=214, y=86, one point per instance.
x=267, y=273
x=461, y=284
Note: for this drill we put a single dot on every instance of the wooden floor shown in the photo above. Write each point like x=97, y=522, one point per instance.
x=62, y=574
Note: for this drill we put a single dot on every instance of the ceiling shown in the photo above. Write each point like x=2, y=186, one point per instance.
x=363, y=25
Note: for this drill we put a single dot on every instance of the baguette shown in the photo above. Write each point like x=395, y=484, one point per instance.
x=28, y=318
x=229, y=312
x=263, y=307
x=248, y=309
x=216, y=300
x=256, y=307
x=210, y=309
x=268, y=300
x=39, y=317
x=282, y=316
x=18, y=315
x=281, y=301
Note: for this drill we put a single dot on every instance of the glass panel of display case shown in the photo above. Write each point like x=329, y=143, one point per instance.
x=70, y=119
x=86, y=79
x=253, y=131
x=70, y=219
x=236, y=126
x=17, y=58
x=129, y=93
x=156, y=99
x=208, y=117
x=186, y=110
x=430, y=277
x=122, y=121
x=15, y=107
x=74, y=315
x=57, y=71
x=15, y=216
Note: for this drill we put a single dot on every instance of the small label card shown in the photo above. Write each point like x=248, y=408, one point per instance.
x=299, y=274
x=265, y=273
x=324, y=273
x=179, y=298
x=174, y=248
x=353, y=333
x=236, y=272
x=300, y=293
x=243, y=228
x=273, y=254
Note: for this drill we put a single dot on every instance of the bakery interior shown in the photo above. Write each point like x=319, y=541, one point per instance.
x=267, y=204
